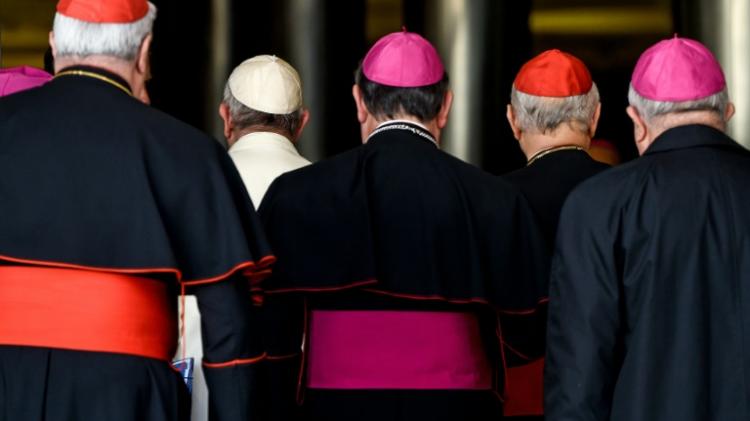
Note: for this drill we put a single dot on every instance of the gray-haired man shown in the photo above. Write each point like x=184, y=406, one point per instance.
x=109, y=208
x=263, y=118
x=553, y=111
x=650, y=287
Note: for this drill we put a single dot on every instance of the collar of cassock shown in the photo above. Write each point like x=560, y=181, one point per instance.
x=545, y=152
x=690, y=136
x=264, y=140
x=404, y=125
x=98, y=74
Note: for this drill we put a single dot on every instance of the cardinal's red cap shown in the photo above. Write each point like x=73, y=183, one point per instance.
x=104, y=11
x=554, y=73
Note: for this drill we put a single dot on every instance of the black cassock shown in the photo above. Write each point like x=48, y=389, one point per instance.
x=397, y=224
x=546, y=183
x=93, y=179
x=650, y=287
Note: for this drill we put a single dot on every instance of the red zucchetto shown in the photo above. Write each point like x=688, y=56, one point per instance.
x=553, y=73
x=104, y=11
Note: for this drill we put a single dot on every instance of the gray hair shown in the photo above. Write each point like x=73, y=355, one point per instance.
x=244, y=116
x=543, y=113
x=74, y=37
x=649, y=109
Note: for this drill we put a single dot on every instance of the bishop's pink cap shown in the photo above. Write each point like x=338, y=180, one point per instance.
x=677, y=70
x=21, y=78
x=404, y=60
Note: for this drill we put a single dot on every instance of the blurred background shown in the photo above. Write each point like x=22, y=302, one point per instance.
x=483, y=44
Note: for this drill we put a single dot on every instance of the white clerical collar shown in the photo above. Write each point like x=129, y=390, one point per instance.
x=264, y=140
x=409, y=125
x=401, y=121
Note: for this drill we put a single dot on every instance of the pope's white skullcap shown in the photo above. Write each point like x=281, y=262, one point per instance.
x=268, y=84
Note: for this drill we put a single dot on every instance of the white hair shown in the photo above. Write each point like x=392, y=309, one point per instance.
x=74, y=37
x=544, y=113
x=649, y=109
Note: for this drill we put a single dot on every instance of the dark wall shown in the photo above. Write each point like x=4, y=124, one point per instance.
x=345, y=48
x=500, y=150
x=510, y=43
x=179, y=59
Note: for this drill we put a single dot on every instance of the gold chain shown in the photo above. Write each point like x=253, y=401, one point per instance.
x=550, y=150
x=95, y=76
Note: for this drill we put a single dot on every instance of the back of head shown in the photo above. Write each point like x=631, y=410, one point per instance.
x=265, y=92
x=552, y=89
x=21, y=78
x=84, y=28
x=402, y=75
x=674, y=77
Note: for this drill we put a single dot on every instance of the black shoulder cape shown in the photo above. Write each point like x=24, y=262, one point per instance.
x=92, y=178
x=398, y=216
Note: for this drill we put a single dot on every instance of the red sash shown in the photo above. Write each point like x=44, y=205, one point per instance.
x=86, y=311
x=525, y=392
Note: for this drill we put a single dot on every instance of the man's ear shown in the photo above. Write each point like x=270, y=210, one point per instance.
x=445, y=109
x=359, y=101
x=226, y=117
x=640, y=130
x=595, y=120
x=52, y=43
x=729, y=112
x=143, y=60
x=304, y=118
x=514, y=127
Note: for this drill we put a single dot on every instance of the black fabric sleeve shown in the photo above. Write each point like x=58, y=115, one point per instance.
x=584, y=316
x=232, y=349
x=283, y=329
x=523, y=335
x=523, y=320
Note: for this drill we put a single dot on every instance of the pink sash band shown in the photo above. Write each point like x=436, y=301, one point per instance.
x=396, y=350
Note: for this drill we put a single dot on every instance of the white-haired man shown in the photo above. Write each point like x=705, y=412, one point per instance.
x=553, y=111
x=263, y=119
x=110, y=208
x=650, y=287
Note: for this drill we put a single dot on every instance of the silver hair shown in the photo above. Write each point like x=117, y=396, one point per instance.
x=236, y=108
x=74, y=37
x=543, y=113
x=649, y=109
x=244, y=116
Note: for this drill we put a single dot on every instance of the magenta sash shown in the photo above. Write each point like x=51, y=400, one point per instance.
x=396, y=350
